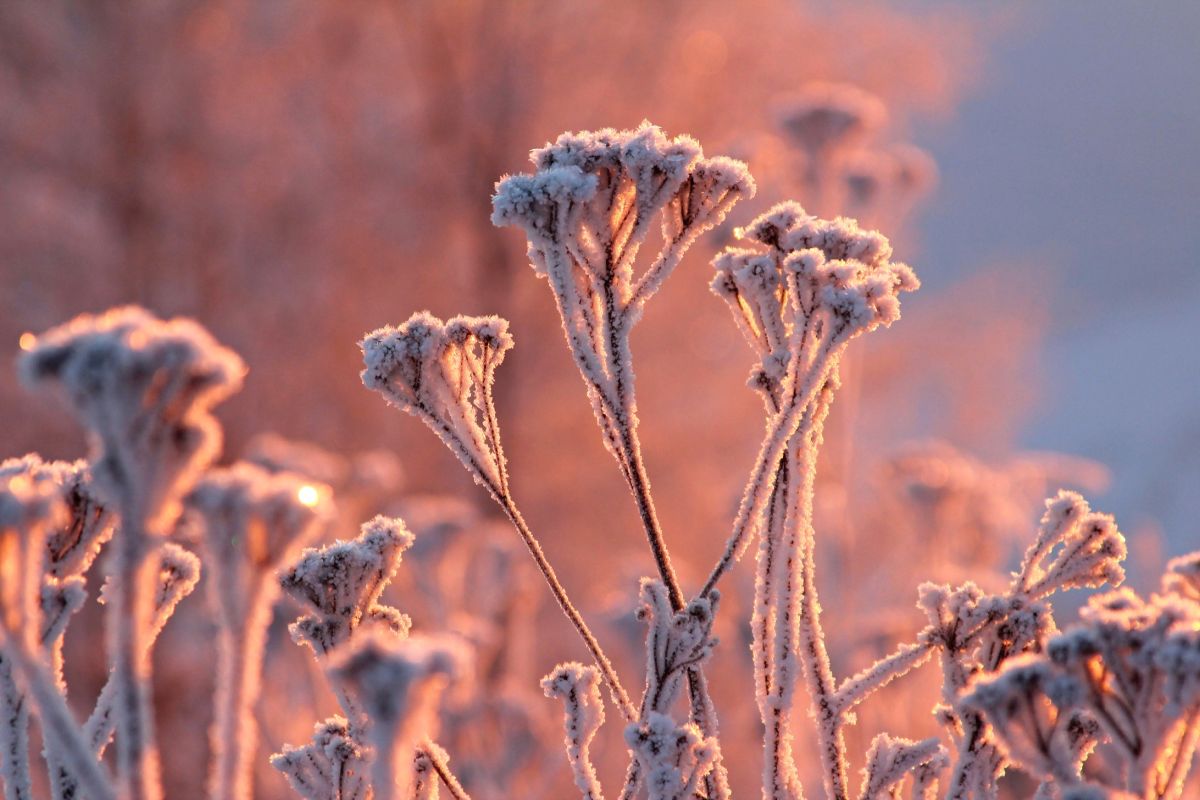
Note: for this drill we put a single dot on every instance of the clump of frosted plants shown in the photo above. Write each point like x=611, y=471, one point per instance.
x=800, y=289
x=1016, y=692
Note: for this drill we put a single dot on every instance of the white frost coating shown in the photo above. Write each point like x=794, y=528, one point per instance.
x=578, y=687
x=890, y=760
x=674, y=758
x=341, y=583
x=251, y=521
x=397, y=683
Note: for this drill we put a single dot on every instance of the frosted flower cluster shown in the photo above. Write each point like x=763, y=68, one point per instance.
x=807, y=287
x=586, y=212
x=340, y=585
x=1127, y=675
x=675, y=758
x=443, y=372
x=1109, y=708
x=977, y=634
x=333, y=765
x=397, y=685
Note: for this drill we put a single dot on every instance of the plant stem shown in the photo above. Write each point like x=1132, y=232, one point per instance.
x=620, y=696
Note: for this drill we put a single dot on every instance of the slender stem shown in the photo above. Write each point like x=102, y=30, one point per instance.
x=620, y=696
x=859, y=687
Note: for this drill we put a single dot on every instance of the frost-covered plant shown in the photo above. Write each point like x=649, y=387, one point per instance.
x=397, y=683
x=144, y=388
x=1130, y=669
x=976, y=633
x=1015, y=691
x=586, y=212
x=251, y=521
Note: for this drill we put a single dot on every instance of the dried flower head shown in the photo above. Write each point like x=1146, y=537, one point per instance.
x=674, y=758
x=332, y=766
x=586, y=213
x=251, y=522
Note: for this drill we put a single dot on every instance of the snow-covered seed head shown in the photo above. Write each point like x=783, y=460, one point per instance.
x=825, y=118
x=145, y=389
x=1075, y=548
x=443, y=373
x=1036, y=715
x=341, y=584
x=257, y=518
x=252, y=521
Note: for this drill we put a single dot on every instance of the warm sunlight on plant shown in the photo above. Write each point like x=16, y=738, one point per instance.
x=202, y=607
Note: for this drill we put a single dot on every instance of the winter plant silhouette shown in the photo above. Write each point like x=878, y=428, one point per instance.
x=1016, y=691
